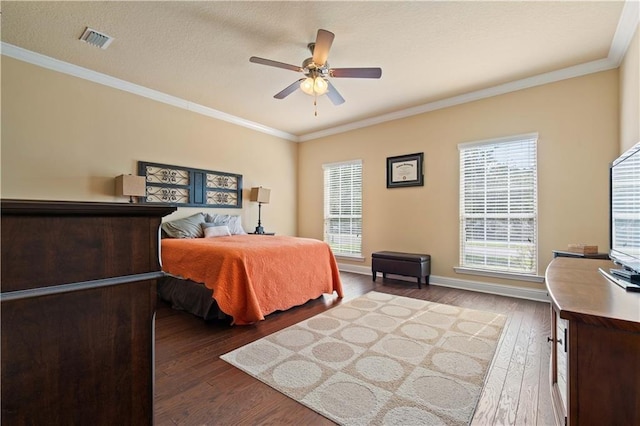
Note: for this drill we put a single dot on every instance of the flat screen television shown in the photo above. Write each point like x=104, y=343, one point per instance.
x=625, y=213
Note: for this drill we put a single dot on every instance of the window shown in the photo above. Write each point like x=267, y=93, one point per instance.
x=343, y=207
x=498, y=205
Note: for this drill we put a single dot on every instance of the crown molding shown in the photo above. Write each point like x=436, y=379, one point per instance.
x=106, y=80
x=627, y=25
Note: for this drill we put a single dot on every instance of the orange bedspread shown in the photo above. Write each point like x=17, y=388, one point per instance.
x=254, y=275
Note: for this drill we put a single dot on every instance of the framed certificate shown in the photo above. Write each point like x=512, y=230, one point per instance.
x=405, y=170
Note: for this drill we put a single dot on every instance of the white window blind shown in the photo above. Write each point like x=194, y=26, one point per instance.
x=343, y=207
x=498, y=205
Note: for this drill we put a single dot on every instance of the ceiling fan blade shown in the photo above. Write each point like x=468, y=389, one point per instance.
x=324, y=39
x=356, y=72
x=289, y=89
x=333, y=95
x=277, y=64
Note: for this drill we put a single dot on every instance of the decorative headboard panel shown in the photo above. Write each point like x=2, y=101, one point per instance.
x=186, y=186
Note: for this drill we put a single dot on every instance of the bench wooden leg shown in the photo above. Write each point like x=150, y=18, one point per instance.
x=419, y=282
x=374, y=273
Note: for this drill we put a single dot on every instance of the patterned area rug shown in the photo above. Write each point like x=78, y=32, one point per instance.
x=380, y=359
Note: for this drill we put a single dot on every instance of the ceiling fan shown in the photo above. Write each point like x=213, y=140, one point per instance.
x=317, y=71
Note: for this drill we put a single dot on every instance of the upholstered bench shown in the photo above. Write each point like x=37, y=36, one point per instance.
x=408, y=264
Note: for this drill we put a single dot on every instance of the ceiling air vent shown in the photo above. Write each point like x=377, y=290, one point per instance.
x=96, y=38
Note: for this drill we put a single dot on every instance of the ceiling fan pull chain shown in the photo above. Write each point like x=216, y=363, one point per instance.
x=315, y=105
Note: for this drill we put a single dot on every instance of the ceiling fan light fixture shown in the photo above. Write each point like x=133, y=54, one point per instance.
x=320, y=86
x=314, y=86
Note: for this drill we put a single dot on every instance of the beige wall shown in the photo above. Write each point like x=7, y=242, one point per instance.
x=577, y=121
x=630, y=95
x=64, y=138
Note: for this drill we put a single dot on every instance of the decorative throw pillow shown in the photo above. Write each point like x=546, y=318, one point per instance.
x=212, y=230
x=188, y=227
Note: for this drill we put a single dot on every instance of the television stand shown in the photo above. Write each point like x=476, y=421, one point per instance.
x=595, y=329
x=619, y=280
x=562, y=253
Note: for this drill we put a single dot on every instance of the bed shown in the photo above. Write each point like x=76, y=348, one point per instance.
x=246, y=277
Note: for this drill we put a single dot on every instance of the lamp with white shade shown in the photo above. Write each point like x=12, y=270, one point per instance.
x=261, y=196
x=132, y=186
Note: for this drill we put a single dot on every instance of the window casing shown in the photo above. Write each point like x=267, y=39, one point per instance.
x=343, y=207
x=498, y=205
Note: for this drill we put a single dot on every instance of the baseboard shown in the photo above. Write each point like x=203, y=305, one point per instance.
x=539, y=295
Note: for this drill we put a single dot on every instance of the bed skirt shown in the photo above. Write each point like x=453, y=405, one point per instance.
x=190, y=296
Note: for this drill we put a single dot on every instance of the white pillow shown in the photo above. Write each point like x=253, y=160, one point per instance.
x=235, y=225
x=216, y=231
x=234, y=222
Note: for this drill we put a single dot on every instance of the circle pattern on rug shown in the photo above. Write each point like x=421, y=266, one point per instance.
x=323, y=323
x=380, y=321
x=379, y=296
x=467, y=345
x=296, y=374
x=345, y=313
x=442, y=392
x=411, y=416
x=459, y=364
x=348, y=400
x=445, y=309
x=359, y=334
x=433, y=318
x=295, y=338
x=410, y=303
x=364, y=304
x=477, y=329
x=396, y=311
x=332, y=351
x=380, y=369
x=419, y=331
x=256, y=355
x=403, y=348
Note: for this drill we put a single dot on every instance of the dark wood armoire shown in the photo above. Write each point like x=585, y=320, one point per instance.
x=78, y=298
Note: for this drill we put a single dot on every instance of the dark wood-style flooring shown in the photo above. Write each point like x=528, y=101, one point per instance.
x=195, y=387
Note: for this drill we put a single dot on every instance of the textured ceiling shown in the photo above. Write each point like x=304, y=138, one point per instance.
x=428, y=51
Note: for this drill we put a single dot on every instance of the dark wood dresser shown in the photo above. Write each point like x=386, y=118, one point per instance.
x=78, y=300
x=595, y=361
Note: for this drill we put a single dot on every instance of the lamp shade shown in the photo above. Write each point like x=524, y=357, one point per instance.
x=261, y=195
x=129, y=185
